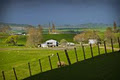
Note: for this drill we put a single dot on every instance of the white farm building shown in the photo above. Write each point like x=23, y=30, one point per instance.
x=92, y=41
x=50, y=43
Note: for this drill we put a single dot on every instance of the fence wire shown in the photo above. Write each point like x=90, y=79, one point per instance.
x=22, y=70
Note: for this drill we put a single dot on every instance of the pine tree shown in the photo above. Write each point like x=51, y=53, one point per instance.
x=115, y=27
x=53, y=28
x=49, y=29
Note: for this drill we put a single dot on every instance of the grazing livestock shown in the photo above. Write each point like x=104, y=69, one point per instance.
x=61, y=64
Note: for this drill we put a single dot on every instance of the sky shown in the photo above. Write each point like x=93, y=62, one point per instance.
x=59, y=11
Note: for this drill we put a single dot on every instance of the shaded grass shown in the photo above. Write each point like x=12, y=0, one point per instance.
x=103, y=67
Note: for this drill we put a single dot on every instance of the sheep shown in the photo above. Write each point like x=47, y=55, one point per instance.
x=62, y=64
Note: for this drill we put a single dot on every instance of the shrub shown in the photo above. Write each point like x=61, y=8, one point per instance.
x=12, y=40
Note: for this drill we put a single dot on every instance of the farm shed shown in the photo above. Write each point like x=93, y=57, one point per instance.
x=70, y=44
x=50, y=43
x=92, y=41
x=43, y=45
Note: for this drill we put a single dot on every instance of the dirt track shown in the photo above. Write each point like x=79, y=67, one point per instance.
x=111, y=48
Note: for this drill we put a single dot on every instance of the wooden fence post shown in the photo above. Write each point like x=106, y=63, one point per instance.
x=105, y=47
x=29, y=69
x=119, y=43
x=112, y=45
x=3, y=75
x=83, y=52
x=91, y=50
x=15, y=74
x=59, y=59
x=67, y=57
x=98, y=49
x=76, y=54
x=40, y=65
x=50, y=62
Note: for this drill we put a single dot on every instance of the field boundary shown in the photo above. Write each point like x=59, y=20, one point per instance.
x=68, y=58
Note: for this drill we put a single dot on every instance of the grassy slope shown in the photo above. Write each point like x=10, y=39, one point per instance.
x=104, y=67
x=19, y=57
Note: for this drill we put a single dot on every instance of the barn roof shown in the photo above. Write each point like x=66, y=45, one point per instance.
x=51, y=40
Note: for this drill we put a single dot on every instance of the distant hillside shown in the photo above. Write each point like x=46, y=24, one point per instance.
x=13, y=24
x=45, y=26
x=15, y=27
x=87, y=25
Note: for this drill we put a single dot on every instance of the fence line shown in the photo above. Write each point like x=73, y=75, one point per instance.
x=105, y=47
x=29, y=69
x=76, y=55
x=15, y=74
x=98, y=49
x=83, y=52
x=59, y=59
x=3, y=74
x=40, y=65
x=67, y=57
x=119, y=43
x=50, y=62
x=112, y=45
x=91, y=50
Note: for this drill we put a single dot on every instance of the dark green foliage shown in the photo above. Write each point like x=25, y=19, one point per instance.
x=12, y=40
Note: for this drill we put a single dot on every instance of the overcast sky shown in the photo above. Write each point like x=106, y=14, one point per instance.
x=59, y=11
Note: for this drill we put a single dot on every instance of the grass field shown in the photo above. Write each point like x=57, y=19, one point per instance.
x=19, y=56
x=104, y=67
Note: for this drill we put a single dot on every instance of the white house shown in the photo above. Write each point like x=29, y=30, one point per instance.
x=70, y=44
x=50, y=43
x=92, y=41
x=43, y=45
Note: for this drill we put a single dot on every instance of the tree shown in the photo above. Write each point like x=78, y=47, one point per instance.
x=49, y=30
x=12, y=40
x=40, y=28
x=5, y=28
x=34, y=37
x=86, y=35
x=63, y=42
x=28, y=27
x=53, y=28
x=79, y=37
x=39, y=32
x=115, y=27
x=109, y=34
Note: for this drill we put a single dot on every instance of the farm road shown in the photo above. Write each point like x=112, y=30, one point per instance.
x=116, y=49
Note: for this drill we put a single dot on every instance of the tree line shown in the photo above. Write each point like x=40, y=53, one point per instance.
x=34, y=37
x=94, y=34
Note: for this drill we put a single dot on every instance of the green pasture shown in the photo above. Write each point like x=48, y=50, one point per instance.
x=22, y=39
x=103, y=67
x=19, y=58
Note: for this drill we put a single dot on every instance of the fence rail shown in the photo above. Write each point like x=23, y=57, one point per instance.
x=58, y=59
